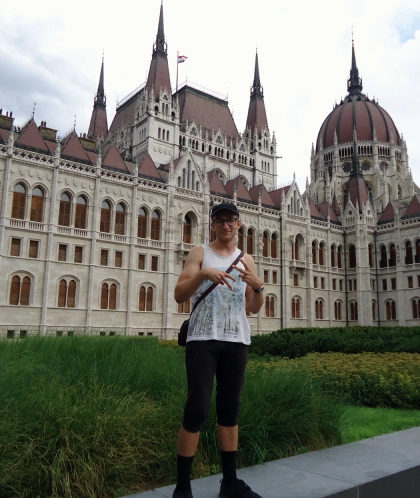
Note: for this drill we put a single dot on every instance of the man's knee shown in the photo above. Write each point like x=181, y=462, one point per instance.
x=195, y=416
x=228, y=414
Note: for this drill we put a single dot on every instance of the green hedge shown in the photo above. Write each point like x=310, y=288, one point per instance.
x=294, y=343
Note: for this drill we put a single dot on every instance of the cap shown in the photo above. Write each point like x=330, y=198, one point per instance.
x=224, y=206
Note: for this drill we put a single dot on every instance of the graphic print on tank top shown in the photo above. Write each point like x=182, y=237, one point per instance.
x=218, y=314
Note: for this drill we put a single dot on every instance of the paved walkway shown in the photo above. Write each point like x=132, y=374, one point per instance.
x=382, y=467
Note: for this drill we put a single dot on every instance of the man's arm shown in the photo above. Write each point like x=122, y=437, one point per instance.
x=254, y=299
x=193, y=276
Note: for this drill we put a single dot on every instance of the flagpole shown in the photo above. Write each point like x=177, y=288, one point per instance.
x=177, y=64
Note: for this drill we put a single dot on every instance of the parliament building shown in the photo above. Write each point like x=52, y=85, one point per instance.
x=95, y=227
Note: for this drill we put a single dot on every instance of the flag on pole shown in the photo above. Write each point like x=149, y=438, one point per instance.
x=181, y=58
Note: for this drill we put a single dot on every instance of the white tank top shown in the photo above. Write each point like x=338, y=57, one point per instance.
x=221, y=315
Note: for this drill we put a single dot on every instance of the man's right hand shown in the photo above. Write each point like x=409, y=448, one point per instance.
x=218, y=276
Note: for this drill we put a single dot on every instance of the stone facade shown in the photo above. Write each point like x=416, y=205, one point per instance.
x=94, y=230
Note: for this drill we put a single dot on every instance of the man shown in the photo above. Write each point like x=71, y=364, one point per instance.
x=217, y=345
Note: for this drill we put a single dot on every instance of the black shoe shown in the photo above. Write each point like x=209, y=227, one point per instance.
x=238, y=489
x=182, y=493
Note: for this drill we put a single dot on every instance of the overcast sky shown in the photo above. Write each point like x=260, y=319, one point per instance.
x=50, y=53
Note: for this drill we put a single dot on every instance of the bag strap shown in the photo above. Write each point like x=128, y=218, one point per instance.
x=213, y=286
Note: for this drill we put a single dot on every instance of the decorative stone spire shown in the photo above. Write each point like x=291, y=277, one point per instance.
x=98, y=122
x=257, y=116
x=354, y=83
x=160, y=45
x=355, y=159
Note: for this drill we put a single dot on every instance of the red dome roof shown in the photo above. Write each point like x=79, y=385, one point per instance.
x=360, y=112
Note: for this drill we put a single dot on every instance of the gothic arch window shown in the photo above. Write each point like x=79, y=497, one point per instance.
x=337, y=310
x=167, y=135
x=120, y=219
x=81, y=212
x=408, y=253
x=142, y=224
x=417, y=256
x=250, y=241
x=155, y=226
x=352, y=256
x=353, y=311
x=187, y=233
x=241, y=237
x=20, y=290
x=319, y=309
x=296, y=301
x=370, y=255
x=105, y=223
x=37, y=205
x=383, y=263
x=333, y=255
x=146, y=298
x=314, y=244
x=390, y=310
x=159, y=133
x=67, y=293
x=19, y=202
x=184, y=307
x=64, y=210
x=270, y=304
x=274, y=245
x=108, y=296
x=392, y=255
x=322, y=254
x=374, y=311
x=183, y=178
x=415, y=307
x=265, y=245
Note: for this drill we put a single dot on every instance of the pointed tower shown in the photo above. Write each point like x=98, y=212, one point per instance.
x=257, y=117
x=98, y=122
x=357, y=190
x=158, y=78
x=354, y=83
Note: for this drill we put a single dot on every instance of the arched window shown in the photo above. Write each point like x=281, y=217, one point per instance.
x=374, y=310
x=314, y=252
x=352, y=256
x=370, y=255
x=155, y=228
x=353, y=311
x=408, y=253
x=142, y=224
x=339, y=257
x=37, y=205
x=321, y=253
x=108, y=296
x=269, y=306
x=250, y=241
x=415, y=305
x=265, y=245
x=187, y=230
x=66, y=294
x=383, y=263
x=333, y=251
x=80, y=218
x=392, y=255
x=319, y=309
x=20, y=290
x=146, y=298
x=274, y=245
x=337, y=310
x=120, y=220
x=184, y=307
x=158, y=132
x=296, y=307
x=19, y=202
x=105, y=225
x=241, y=238
x=417, y=256
x=64, y=210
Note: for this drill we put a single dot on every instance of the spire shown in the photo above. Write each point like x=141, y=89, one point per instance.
x=355, y=159
x=357, y=190
x=158, y=78
x=160, y=45
x=98, y=122
x=354, y=83
x=257, y=117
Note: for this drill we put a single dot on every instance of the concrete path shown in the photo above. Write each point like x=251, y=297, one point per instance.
x=382, y=467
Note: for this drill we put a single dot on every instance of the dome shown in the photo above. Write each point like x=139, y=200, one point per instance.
x=356, y=111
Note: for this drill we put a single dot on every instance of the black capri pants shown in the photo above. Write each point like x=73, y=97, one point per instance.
x=204, y=360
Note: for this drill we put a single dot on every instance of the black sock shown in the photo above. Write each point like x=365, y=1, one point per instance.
x=228, y=466
x=184, y=465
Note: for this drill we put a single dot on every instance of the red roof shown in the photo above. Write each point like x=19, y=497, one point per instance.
x=98, y=123
x=159, y=74
x=4, y=134
x=125, y=113
x=389, y=212
x=314, y=210
x=257, y=115
x=361, y=112
x=216, y=186
x=254, y=192
x=147, y=167
x=111, y=158
x=206, y=110
x=30, y=137
x=71, y=147
x=324, y=208
x=414, y=207
x=241, y=191
x=276, y=195
x=357, y=191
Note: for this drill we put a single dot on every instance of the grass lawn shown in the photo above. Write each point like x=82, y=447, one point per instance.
x=359, y=422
